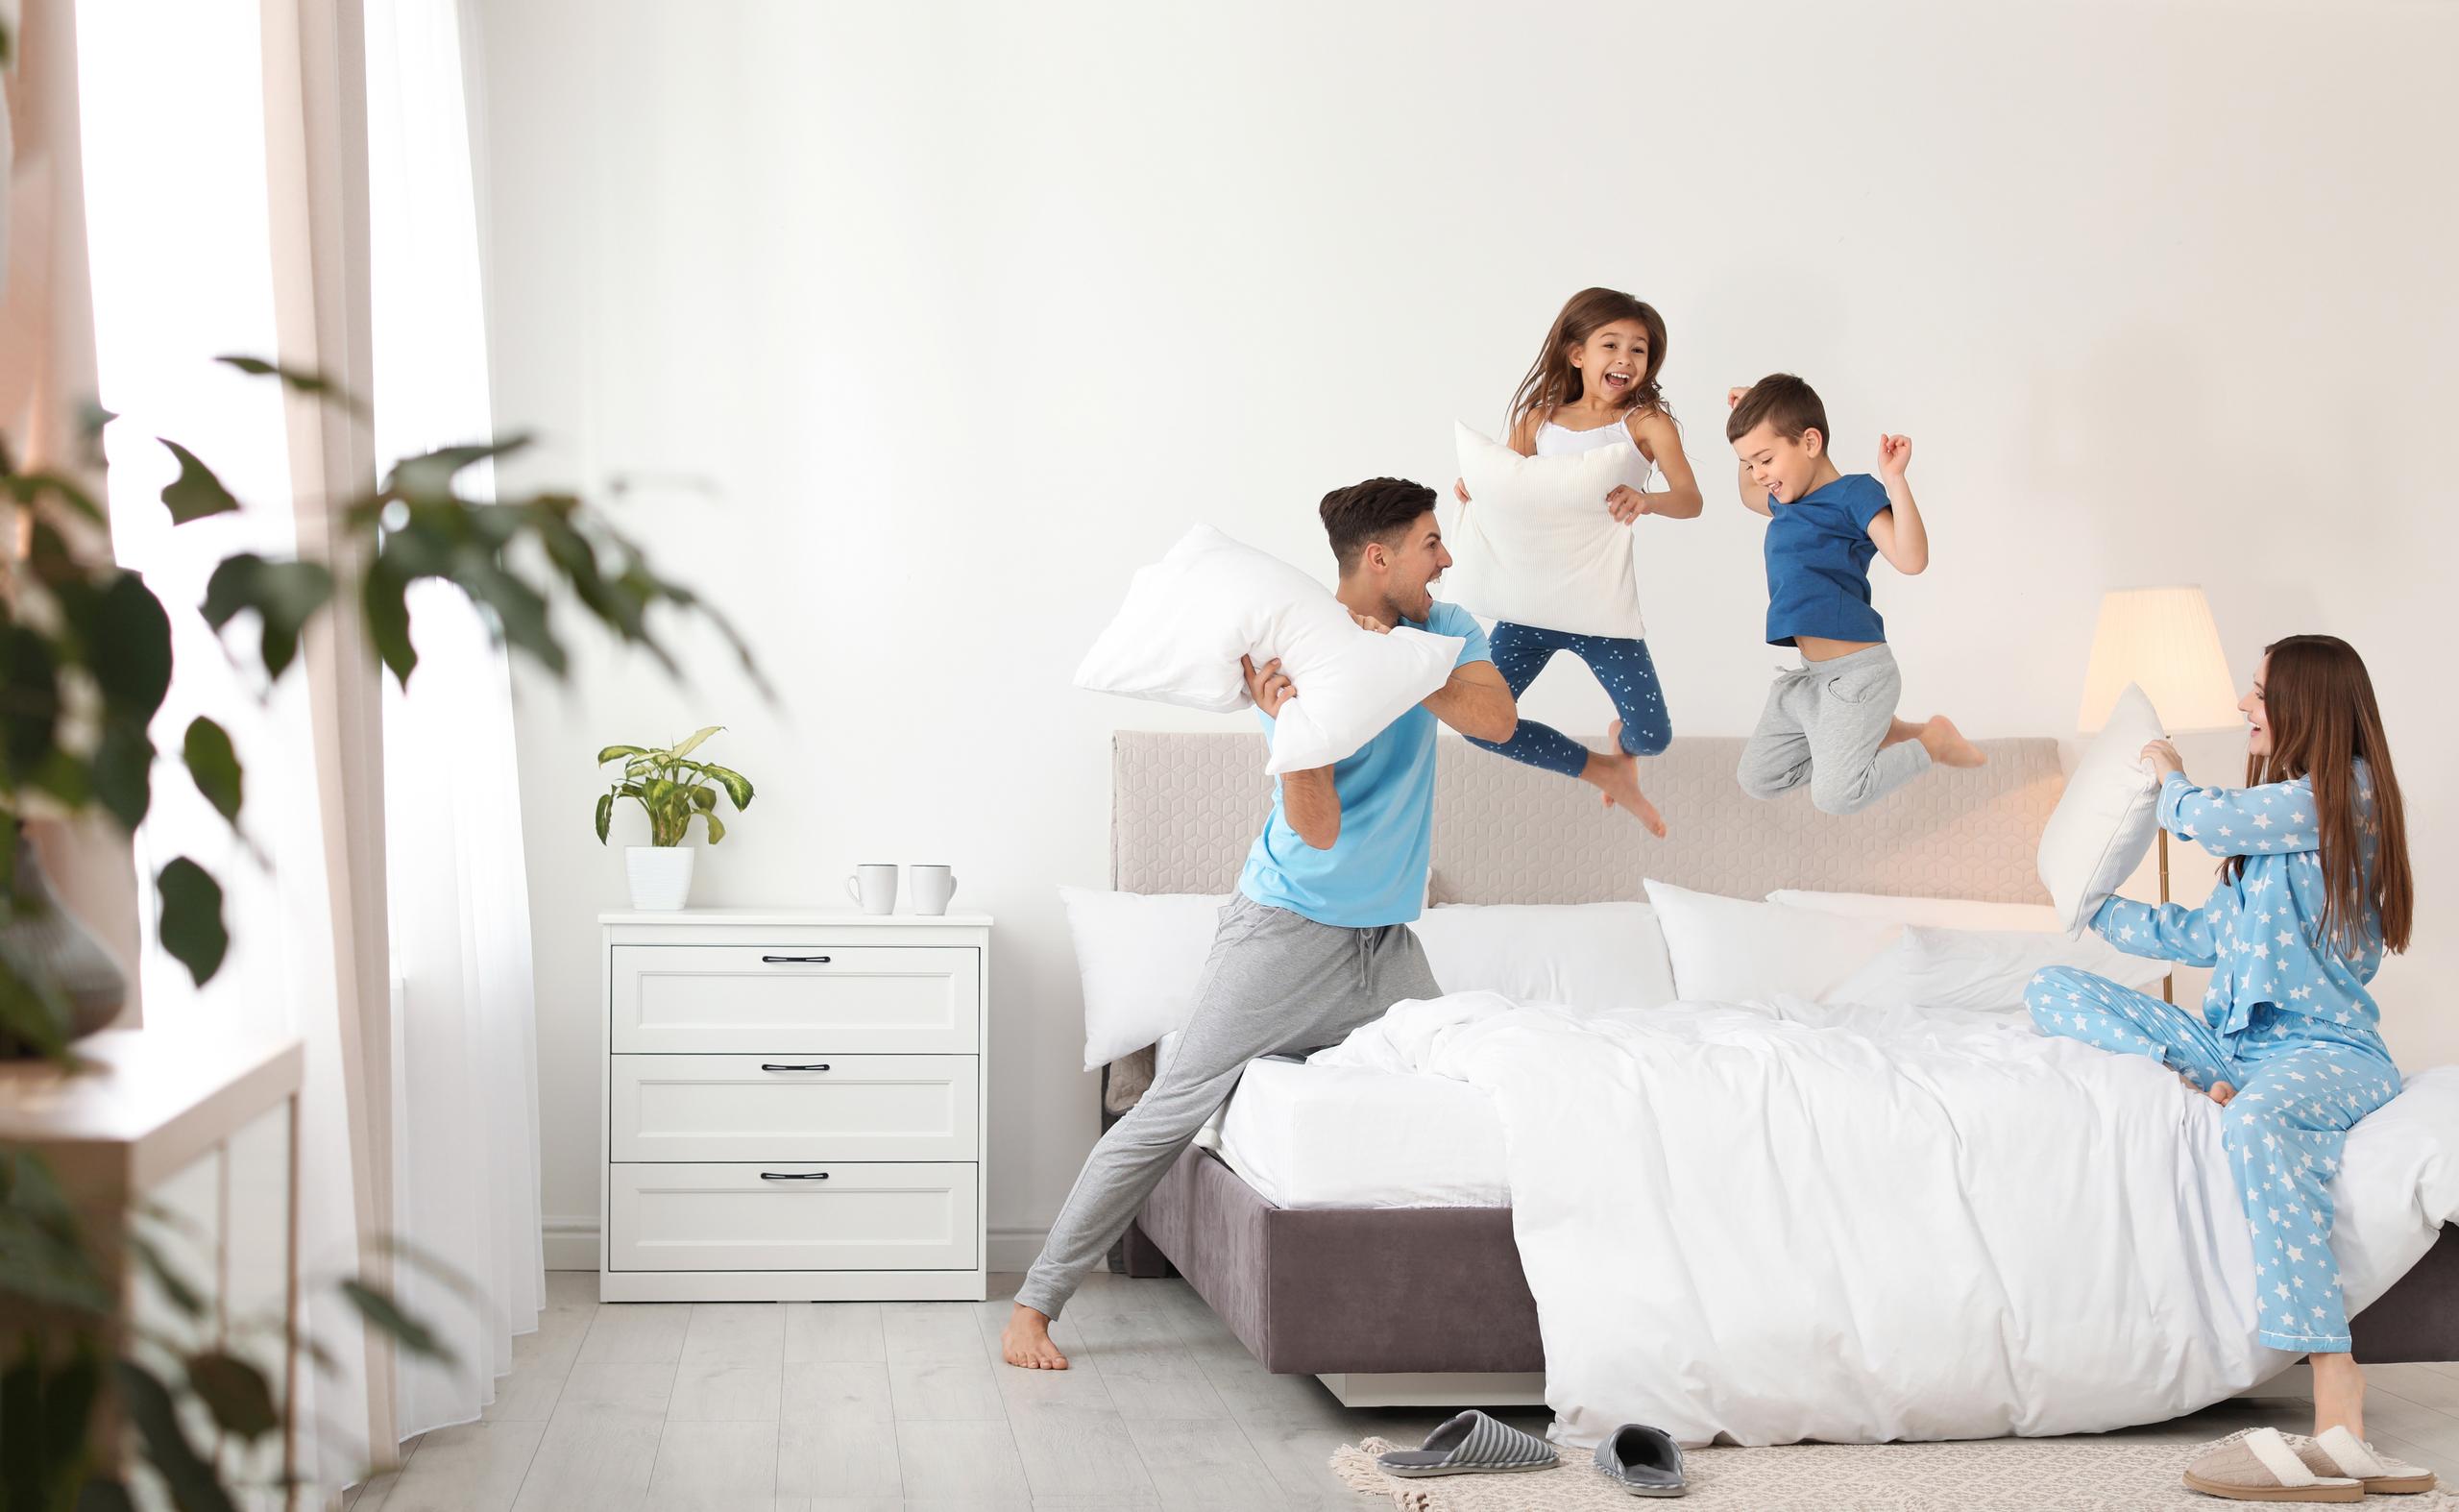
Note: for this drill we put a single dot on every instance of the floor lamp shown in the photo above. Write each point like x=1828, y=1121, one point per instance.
x=2163, y=640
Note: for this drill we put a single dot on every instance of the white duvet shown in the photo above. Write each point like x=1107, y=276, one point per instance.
x=1782, y=1222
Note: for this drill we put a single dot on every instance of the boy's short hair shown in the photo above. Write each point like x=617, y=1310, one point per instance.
x=1373, y=510
x=1786, y=403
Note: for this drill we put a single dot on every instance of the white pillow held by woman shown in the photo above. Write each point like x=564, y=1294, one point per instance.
x=2106, y=817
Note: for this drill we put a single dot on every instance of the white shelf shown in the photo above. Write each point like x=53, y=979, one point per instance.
x=793, y=918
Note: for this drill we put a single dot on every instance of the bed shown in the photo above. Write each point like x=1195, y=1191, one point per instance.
x=1390, y=1268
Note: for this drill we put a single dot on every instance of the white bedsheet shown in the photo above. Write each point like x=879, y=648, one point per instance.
x=1337, y=1136
x=1788, y=1222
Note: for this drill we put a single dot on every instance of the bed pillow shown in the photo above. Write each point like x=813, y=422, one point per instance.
x=2104, y=820
x=1932, y=913
x=1535, y=543
x=1138, y=955
x=1190, y=615
x=1984, y=970
x=1733, y=950
x=1590, y=956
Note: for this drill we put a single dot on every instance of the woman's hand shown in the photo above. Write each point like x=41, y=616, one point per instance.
x=1626, y=504
x=2162, y=758
x=1268, y=685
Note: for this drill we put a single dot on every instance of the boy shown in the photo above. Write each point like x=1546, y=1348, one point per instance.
x=1832, y=720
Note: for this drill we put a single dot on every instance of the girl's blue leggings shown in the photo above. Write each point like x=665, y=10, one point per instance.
x=1521, y=651
x=2296, y=1098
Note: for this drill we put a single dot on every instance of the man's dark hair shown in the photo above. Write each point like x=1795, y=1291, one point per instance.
x=1374, y=510
x=1786, y=402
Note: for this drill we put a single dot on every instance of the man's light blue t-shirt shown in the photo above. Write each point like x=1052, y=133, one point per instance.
x=1374, y=875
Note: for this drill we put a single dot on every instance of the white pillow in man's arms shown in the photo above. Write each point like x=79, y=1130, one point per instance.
x=1931, y=913
x=1593, y=956
x=1983, y=970
x=1139, y=956
x=2106, y=817
x=1189, y=617
x=1733, y=950
x=1536, y=544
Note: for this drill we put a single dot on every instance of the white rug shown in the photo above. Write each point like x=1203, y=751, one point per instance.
x=2020, y=1474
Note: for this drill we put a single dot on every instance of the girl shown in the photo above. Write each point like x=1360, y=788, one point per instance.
x=2314, y=886
x=1595, y=383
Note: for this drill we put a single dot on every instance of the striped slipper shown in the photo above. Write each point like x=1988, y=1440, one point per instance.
x=2262, y=1466
x=1472, y=1444
x=2340, y=1453
x=1642, y=1460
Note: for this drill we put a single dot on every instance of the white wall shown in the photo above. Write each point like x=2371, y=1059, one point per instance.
x=963, y=311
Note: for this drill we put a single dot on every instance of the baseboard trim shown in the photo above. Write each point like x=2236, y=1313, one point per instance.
x=571, y=1244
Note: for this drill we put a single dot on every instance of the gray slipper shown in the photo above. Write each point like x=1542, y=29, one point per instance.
x=1472, y=1444
x=1643, y=1460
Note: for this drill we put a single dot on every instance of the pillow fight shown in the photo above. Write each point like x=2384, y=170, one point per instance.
x=2313, y=887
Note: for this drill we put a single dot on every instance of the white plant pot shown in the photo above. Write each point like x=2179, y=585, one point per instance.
x=661, y=874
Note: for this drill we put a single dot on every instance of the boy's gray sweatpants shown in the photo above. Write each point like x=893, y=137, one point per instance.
x=1823, y=725
x=1276, y=982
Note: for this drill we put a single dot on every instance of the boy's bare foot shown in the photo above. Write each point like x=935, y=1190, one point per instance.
x=1025, y=1342
x=1617, y=775
x=1898, y=731
x=1947, y=745
x=2339, y=1394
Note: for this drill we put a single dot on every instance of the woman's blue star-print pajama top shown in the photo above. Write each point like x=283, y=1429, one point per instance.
x=2287, y=1022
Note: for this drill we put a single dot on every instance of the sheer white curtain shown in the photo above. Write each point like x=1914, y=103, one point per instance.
x=179, y=240
x=465, y=1043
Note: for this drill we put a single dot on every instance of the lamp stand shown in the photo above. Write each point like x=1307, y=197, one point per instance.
x=2169, y=979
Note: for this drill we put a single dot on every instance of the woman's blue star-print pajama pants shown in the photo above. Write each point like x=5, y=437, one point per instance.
x=1621, y=664
x=2296, y=1098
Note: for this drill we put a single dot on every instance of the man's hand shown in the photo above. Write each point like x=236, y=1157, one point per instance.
x=1626, y=504
x=1367, y=621
x=1460, y=489
x=2162, y=758
x=1895, y=454
x=1268, y=685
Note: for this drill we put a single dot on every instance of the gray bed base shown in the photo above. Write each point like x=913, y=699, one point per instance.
x=1427, y=1306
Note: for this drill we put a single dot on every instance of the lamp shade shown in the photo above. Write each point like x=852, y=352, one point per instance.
x=2164, y=640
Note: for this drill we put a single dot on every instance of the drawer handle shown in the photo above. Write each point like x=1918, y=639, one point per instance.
x=769, y=1065
x=794, y=960
x=793, y=1176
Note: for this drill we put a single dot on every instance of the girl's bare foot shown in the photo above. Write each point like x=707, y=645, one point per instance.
x=1947, y=745
x=2218, y=1091
x=2339, y=1394
x=1616, y=773
x=1025, y=1342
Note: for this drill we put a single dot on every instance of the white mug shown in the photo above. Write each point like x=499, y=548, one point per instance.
x=874, y=887
x=932, y=887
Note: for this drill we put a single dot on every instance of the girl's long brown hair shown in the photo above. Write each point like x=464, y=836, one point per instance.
x=1553, y=383
x=2320, y=705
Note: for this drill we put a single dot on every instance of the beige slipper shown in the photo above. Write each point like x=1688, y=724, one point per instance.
x=2340, y=1453
x=2262, y=1466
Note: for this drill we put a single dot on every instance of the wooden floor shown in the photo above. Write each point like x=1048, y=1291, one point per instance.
x=802, y=1407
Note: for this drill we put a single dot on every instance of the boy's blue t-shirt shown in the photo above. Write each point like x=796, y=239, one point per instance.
x=1375, y=873
x=1818, y=562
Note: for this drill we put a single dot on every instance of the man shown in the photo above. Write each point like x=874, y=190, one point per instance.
x=1316, y=941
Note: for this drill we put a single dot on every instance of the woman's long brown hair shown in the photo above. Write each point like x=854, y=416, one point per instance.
x=1553, y=383
x=2319, y=703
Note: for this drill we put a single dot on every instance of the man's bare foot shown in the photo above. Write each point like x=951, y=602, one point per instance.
x=1616, y=774
x=1025, y=1342
x=2339, y=1394
x=1946, y=743
x=1898, y=731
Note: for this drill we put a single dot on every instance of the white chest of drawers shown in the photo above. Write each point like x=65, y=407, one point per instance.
x=793, y=1107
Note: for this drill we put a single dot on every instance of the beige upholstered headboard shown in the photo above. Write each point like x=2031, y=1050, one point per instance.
x=1185, y=807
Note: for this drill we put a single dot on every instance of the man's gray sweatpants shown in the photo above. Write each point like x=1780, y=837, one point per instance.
x=1823, y=725
x=1276, y=982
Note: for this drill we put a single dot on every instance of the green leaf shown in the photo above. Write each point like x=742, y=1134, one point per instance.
x=429, y=477
x=314, y=384
x=29, y=697
x=196, y=493
x=386, y=609
x=520, y=610
x=284, y=595
x=123, y=771
x=383, y=1315
x=738, y=786
x=613, y=751
x=193, y=1484
x=214, y=765
x=103, y=1495
x=704, y=799
x=235, y=1392
x=694, y=743
x=191, y=928
x=605, y=814
x=717, y=828
x=31, y=489
x=127, y=646
x=43, y=1253
x=182, y=1295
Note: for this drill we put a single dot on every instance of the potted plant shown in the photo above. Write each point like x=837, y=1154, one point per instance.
x=673, y=790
